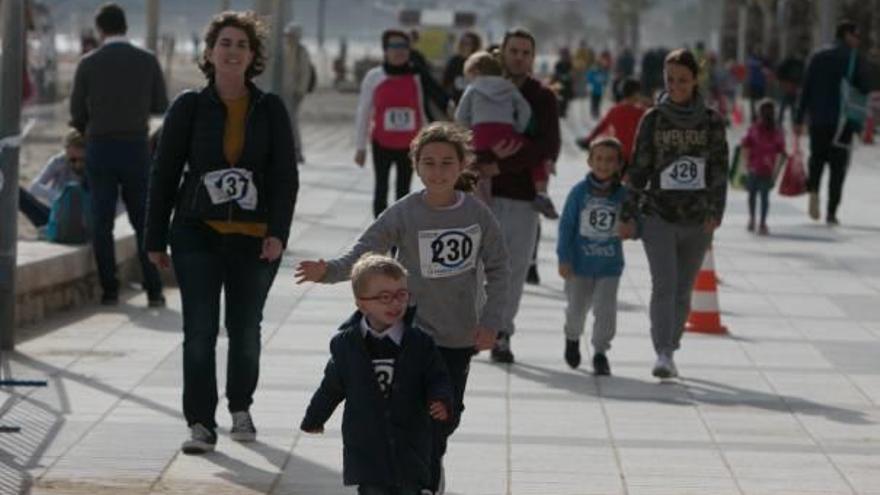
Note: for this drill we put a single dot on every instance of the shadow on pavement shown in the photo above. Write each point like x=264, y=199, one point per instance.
x=685, y=391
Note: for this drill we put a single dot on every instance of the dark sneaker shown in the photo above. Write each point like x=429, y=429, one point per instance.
x=201, y=440
x=501, y=353
x=763, y=230
x=156, y=300
x=573, y=353
x=532, y=277
x=243, y=429
x=832, y=221
x=110, y=299
x=543, y=204
x=583, y=143
x=751, y=226
x=601, y=367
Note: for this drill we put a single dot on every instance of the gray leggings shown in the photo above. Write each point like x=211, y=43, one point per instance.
x=598, y=294
x=675, y=253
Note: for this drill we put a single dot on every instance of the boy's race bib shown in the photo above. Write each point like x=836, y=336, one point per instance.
x=687, y=173
x=400, y=119
x=232, y=184
x=383, y=369
x=448, y=252
x=599, y=220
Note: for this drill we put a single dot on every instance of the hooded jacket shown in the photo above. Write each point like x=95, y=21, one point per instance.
x=493, y=99
x=672, y=135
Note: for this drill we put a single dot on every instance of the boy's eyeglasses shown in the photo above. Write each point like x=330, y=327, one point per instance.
x=385, y=297
x=76, y=161
x=399, y=46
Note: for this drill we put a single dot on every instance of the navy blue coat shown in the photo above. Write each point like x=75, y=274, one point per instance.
x=820, y=95
x=386, y=442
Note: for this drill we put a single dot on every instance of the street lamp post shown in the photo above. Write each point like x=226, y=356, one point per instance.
x=12, y=16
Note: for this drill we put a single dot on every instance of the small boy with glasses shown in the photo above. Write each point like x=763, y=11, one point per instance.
x=394, y=383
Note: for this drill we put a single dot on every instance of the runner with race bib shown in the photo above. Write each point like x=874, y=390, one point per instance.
x=591, y=255
x=678, y=179
x=391, y=109
x=451, y=245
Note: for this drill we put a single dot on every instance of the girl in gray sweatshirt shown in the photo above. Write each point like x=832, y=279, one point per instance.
x=451, y=245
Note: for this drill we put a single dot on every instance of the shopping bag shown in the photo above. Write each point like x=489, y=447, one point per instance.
x=794, y=178
x=739, y=168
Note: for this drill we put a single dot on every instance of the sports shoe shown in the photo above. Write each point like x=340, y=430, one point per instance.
x=543, y=204
x=583, y=143
x=201, y=440
x=601, y=367
x=501, y=353
x=832, y=221
x=243, y=429
x=532, y=278
x=664, y=367
x=156, y=300
x=763, y=230
x=573, y=353
x=751, y=225
x=813, y=206
x=110, y=299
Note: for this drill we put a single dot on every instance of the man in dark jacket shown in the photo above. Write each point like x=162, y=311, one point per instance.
x=115, y=89
x=513, y=189
x=830, y=137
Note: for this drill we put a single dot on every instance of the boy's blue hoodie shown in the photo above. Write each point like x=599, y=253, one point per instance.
x=588, y=239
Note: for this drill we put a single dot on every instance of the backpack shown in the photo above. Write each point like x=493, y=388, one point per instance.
x=70, y=220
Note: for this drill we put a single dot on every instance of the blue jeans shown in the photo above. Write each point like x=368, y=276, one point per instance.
x=205, y=263
x=758, y=185
x=114, y=166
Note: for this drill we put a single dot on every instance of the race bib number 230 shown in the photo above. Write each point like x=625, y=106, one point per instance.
x=448, y=252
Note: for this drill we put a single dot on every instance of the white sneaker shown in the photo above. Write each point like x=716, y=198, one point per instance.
x=243, y=429
x=664, y=367
x=201, y=440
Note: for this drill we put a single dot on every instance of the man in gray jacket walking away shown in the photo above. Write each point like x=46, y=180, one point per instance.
x=115, y=89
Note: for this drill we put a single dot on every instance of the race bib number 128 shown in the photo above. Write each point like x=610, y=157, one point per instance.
x=448, y=252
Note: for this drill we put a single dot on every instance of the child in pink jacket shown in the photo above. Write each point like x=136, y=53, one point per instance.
x=764, y=141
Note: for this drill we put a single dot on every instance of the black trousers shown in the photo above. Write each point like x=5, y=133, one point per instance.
x=383, y=159
x=458, y=363
x=822, y=151
x=32, y=208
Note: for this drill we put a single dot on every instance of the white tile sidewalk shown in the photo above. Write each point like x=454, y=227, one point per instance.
x=785, y=404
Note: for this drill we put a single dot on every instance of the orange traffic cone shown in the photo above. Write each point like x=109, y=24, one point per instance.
x=868, y=136
x=705, y=316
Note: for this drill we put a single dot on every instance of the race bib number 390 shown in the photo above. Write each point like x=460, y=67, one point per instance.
x=448, y=252
x=400, y=119
x=687, y=173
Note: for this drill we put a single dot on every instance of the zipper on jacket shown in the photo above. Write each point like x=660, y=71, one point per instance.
x=247, y=126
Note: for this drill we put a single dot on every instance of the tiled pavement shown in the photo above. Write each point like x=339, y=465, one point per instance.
x=785, y=404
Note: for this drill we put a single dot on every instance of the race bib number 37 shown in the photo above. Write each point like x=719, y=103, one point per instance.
x=687, y=173
x=232, y=184
x=400, y=119
x=448, y=252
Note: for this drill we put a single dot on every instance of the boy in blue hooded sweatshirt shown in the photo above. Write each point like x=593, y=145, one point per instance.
x=591, y=255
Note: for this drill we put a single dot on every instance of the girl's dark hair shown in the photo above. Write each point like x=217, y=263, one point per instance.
x=476, y=41
x=252, y=27
x=684, y=58
x=767, y=113
x=393, y=33
x=454, y=135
